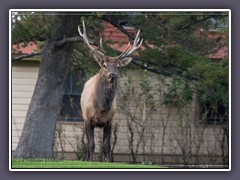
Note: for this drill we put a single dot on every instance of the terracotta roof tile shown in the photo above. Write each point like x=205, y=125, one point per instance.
x=24, y=49
x=220, y=53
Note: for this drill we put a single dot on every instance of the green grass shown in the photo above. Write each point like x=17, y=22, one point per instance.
x=67, y=164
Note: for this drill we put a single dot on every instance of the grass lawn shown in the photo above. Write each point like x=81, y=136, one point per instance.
x=67, y=164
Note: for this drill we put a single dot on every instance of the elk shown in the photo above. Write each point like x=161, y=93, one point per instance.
x=98, y=100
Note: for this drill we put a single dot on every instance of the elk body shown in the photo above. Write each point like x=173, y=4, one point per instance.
x=98, y=100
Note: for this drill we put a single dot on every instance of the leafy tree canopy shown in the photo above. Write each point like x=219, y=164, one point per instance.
x=176, y=44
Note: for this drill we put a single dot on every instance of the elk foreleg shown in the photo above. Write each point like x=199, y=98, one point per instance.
x=90, y=137
x=107, y=131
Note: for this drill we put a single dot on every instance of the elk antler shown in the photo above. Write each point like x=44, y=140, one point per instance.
x=135, y=46
x=85, y=39
x=125, y=53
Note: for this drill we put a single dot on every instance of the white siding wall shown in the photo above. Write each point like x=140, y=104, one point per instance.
x=24, y=77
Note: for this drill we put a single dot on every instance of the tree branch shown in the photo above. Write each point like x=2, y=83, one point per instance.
x=72, y=39
x=166, y=72
x=20, y=57
x=67, y=40
x=192, y=23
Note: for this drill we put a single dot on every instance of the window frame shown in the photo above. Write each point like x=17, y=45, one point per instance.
x=77, y=78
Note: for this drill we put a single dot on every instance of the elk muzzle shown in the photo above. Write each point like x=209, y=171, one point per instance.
x=112, y=77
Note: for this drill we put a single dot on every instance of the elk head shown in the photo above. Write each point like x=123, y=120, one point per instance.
x=110, y=65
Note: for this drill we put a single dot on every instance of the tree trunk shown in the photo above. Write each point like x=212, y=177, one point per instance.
x=37, y=139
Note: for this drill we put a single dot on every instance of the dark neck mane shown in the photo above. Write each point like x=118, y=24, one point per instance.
x=105, y=93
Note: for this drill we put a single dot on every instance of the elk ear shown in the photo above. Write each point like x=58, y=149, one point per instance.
x=125, y=61
x=98, y=58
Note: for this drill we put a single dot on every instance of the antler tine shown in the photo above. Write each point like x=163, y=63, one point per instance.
x=84, y=29
x=124, y=51
x=135, y=46
x=101, y=46
x=85, y=38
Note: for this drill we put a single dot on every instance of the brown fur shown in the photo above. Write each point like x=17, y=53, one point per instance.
x=98, y=100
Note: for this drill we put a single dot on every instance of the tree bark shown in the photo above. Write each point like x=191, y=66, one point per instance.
x=37, y=139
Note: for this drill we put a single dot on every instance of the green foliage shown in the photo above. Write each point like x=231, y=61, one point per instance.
x=147, y=93
x=142, y=97
x=213, y=86
x=30, y=26
x=178, y=93
x=181, y=46
x=152, y=54
x=145, y=83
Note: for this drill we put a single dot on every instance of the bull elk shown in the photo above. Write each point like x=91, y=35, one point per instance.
x=98, y=100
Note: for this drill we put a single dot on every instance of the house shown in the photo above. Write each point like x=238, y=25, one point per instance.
x=144, y=129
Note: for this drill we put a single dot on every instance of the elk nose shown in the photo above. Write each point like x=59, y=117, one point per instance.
x=112, y=76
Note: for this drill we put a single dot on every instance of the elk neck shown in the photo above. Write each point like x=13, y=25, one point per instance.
x=105, y=93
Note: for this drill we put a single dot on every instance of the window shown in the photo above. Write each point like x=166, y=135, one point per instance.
x=215, y=115
x=70, y=107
